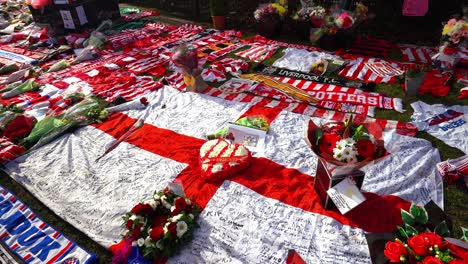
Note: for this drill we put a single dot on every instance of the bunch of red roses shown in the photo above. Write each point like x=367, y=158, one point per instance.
x=161, y=224
x=426, y=247
x=345, y=143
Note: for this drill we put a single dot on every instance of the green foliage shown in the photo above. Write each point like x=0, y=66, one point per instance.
x=442, y=229
x=407, y=218
x=402, y=232
x=465, y=234
x=419, y=213
x=218, y=7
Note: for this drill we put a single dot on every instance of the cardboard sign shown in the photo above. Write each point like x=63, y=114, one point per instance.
x=346, y=195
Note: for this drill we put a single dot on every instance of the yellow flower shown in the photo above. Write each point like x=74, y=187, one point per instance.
x=446, y=30
x=282, y=2
x=279, y=9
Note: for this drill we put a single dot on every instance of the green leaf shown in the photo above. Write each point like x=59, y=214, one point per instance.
x=414, y=210
x=442, y=229
x=411, y=231
x=465, y=234
x=419, y=213
x=402, y=232
x=407, y=217
x=318, y=136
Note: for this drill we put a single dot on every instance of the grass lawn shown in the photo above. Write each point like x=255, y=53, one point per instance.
x=456, y=197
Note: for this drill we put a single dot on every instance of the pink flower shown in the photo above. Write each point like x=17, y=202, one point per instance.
x=344, y=21
x=452, y=22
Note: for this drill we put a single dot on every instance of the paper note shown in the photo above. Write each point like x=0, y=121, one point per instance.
x=346, y=195
x=67, y=19
x=81, y=15
x=251, y=138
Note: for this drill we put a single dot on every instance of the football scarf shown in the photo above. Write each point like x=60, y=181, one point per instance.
x=258, y=53
x=31, y=239
x=281, y=72
x=417, y=54
x=372, y=47
x=358, y=69
x=230, y=65
x=262, y=40
x=453, y=170
x=220, y=53
x=335, y=93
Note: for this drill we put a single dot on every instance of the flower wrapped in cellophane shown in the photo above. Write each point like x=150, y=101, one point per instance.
x=89, y=110
x=344, y=147
x=186, y=59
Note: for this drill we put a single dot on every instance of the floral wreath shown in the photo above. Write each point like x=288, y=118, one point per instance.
x=160, y=225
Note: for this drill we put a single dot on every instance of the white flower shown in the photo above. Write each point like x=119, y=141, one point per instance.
x=187, y=201
x=191, y=216
x=177, y=217
x=140, y=242
x=133, y=217
x=164, y=202
x=152, y=202
x=345, y=150
x=148, y=242
x=156, y=196
x=181, y=228
x=159, y=244
x=173, y=208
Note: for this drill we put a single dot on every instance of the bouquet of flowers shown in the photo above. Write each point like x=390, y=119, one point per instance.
x=453, y=34
x=415, y=242
x=186, y=59
x=455, y=31
x=89, y=110
x=270, y=11
x=314, y=15
x=346, y=146
x=160, y=225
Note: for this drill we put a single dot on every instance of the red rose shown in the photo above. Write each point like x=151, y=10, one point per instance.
x=432, y=260
x=146, y=209
x=129, y=224
x=366, y=148
x=172, y=229
x=157, y=233
x=394, y=251
x=433, y=239
x=457, y=251
x=137, y=208
x=19, y=127
x=457, y=261
x=166, y=191
x=419, y=245
x=181, y=205
x=136, y=233
x=328, y=143
x=159, y=220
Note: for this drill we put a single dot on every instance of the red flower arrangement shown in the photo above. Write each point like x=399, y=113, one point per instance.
x=423, y=247
x=346, y=144
x=160, y=225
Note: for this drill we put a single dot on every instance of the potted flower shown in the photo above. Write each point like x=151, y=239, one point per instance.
x=453, y=33
x=269, y=19
x=218, y=13
x=413, y=79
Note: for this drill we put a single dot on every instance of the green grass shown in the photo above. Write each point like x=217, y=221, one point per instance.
x=456, y=197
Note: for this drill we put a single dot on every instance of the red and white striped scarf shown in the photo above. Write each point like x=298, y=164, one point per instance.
x=417, y=54
x=140, y=15
x=220, y=53
x=358, y=70
x=263, y=94
x=340, y=94
x=262, y=40
x=230, y=65
x=258, y=53
x=212, y=75
x=125, y=37
x=452, y=170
